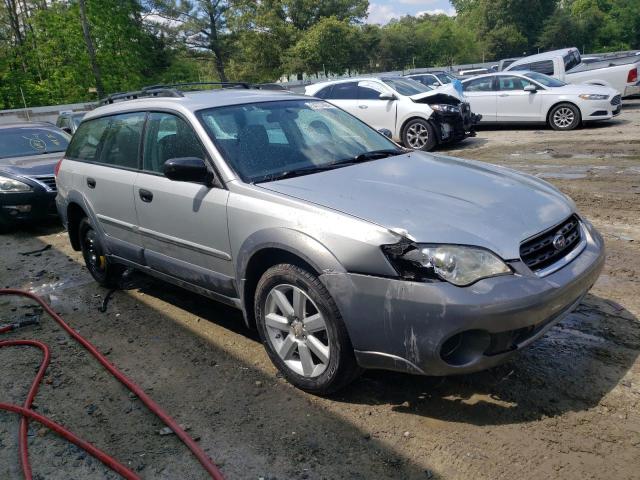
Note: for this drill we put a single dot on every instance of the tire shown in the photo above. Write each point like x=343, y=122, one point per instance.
x=309, y=344
x=104, y=271
x=565, y=116
x=6, y=226
x=419, y=134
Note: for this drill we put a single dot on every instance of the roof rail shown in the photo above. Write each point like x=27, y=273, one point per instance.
x=176, y=90
x=202, y=84
x=153, y=91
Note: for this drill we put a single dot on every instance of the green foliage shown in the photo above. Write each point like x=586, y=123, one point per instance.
x=43, y=54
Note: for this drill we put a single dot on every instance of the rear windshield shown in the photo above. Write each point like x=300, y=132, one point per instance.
x=26, y=141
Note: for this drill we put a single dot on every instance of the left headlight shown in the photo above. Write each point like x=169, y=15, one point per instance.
x=9, y=185
x=593, y=96
x=444, y=108
x=456, y=264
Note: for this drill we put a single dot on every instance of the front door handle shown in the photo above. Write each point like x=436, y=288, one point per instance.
x=91, y=182
x=145, y=195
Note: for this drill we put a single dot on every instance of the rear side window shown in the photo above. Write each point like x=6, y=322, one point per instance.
x=121, y=142
x=545, y=67
x=85, y=142
x=324, y=93
x=168, y=136
x=484, y=84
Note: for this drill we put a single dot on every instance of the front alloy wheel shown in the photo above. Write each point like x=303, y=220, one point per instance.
x=418, y=134
x=564, y=117
x=297, y=330
x=301, y=328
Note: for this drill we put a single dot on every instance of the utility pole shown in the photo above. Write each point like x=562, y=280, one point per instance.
x=86, y=31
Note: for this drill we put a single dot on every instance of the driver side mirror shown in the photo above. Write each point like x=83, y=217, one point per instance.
x=387, y=96
x=530, y=89
x=187, y=169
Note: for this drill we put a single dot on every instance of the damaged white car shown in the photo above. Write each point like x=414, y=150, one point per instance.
x=407, y=111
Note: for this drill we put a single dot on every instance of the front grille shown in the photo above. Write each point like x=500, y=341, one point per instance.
x=49, y=181
x=617, y=100
x=547, y=247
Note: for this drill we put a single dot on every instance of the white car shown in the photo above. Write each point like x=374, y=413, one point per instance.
x=434, y=79
x=531, y=97
x=405, y=110
x=567, y=65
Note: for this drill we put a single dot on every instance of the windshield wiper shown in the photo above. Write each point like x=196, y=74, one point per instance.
x=363, y=157
x=376, y=154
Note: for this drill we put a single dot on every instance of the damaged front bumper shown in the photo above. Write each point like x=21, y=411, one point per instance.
x=441, y=329
x=454, y=127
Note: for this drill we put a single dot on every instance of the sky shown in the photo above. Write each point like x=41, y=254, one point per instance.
x=381, y=11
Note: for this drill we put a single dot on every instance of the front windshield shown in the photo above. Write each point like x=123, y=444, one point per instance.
x=445, y=78
x=26, y=141
x=77, y=118
x=270, y=140
x=545, y=80
x=406, y=86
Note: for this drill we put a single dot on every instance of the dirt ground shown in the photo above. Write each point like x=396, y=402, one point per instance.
x=567, y=407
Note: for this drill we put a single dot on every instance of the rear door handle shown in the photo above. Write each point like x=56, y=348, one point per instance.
x=145, y=195
x=91, y=183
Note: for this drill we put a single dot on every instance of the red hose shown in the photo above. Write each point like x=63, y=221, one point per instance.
x=26, y=412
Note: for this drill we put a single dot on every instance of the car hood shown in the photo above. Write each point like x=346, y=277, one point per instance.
x=438, y=199
x=440, y=91
x=583, y=88
x=34, y=165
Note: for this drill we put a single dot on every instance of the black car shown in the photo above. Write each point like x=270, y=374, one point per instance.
x=29, y=153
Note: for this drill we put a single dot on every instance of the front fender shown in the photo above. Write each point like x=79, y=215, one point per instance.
x=293, y=241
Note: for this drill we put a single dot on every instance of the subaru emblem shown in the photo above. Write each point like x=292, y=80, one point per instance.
x=559, y=242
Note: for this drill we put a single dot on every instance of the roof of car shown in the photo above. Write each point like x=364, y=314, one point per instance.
x=198, y=100
x=543, y=56
x=26, y=125
x=517, y=73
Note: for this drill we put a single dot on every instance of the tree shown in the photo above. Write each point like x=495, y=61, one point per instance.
x=330, y=46
x=86, y=32
x=202, y=24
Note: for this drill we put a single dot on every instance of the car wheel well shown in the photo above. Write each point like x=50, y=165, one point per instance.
x=406, y=122
x=564, y=102
x=75, y=214
x=259, y=263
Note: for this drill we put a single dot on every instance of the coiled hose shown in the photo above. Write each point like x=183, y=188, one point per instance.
x=27, y=414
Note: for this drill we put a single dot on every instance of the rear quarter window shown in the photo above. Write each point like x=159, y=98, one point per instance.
x=545, y=67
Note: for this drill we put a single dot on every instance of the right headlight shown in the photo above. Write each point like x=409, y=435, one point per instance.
x=593, y=96
x=456, y=264
x=9, y=185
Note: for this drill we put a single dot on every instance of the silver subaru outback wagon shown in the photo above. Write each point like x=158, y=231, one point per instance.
x=343, y=250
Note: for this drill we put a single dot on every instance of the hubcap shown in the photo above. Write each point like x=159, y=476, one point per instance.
x=297, y=330
x=417, y=136
x=563, y=117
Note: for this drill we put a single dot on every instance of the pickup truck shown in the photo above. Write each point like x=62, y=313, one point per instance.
x=566, y=65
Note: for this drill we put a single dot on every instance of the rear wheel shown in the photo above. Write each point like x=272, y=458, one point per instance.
x=105, y=272
x=302, y=331
x=419, y=134
x=564, y=116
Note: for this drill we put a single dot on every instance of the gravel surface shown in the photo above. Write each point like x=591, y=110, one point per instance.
x=567, y=407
